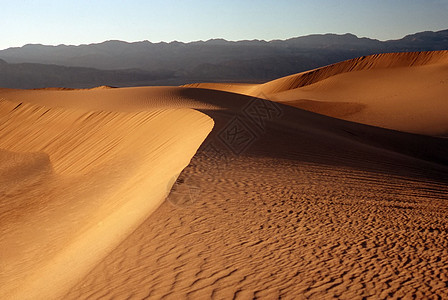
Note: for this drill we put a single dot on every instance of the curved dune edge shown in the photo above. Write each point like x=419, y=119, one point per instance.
x=78, y=184
x=303, y=210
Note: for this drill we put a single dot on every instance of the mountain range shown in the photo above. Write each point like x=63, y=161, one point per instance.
x=119, y=63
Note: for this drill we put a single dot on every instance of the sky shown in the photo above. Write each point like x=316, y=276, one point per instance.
x=54, y=22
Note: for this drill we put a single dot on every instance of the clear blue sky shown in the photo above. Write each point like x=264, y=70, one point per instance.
x=76, y=22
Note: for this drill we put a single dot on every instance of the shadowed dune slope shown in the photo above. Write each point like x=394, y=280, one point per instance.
x=401, y=91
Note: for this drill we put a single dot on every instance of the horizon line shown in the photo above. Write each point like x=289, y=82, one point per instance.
x=214, y=39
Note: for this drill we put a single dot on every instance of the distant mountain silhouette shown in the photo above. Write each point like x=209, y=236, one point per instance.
x=422, y=41
x=146, y=63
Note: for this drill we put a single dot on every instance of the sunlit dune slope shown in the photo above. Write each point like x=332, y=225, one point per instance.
x=401, y=91
x=73, y=184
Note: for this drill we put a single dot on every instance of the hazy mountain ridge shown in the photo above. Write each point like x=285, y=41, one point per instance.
x=30, y=75
x=142, y=63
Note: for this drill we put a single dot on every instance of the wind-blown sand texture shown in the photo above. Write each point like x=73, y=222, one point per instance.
x=277, y=202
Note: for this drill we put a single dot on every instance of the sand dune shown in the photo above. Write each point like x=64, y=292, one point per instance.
x=305, y=211
x=401, y=91
x=277, y=201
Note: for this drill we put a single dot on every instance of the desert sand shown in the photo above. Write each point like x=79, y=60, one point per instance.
x=326, y=184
